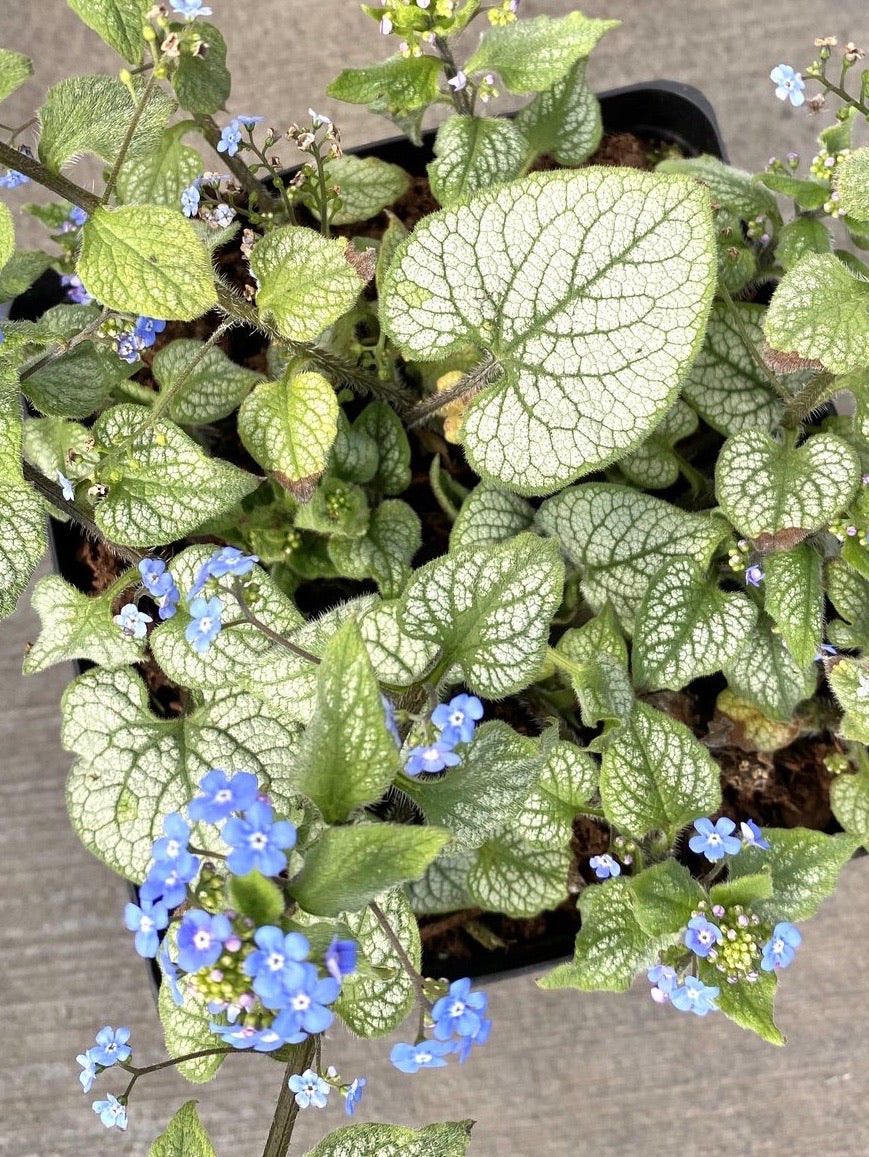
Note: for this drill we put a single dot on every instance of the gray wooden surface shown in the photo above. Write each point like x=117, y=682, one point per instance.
x=564, y=1073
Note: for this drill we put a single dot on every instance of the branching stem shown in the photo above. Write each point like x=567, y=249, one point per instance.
x=128, y=136
x=55, y=182
x=407, y=964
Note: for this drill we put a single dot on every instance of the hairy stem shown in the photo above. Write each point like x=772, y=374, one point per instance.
x=32, y=168
x=128, y=137
x=460, y=98
x=137, y=1072
x=286, y=1110
x=481, y=376
x=812, y=395
x=64, y=347
x=275, y=637
x=406, y=963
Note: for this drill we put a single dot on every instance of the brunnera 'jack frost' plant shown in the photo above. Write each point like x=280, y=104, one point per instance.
x=649, y=492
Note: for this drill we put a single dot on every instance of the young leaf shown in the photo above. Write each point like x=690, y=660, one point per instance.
x=385, y=551
x=748, y=1005
x=489, y=611
x=397, y=86
x=184, y=1136
x=380, y=423
x=794, y=591
x=348, y=866
x=850, y=683
x=849, y=799
x=305, y=281
x=559, y=345
x=348, y=758
x=215, y=387
x=809, y=194
x=799, y=238
x=848, y=591
x=48, y=443
x=765, y=674
x=76, y=626
x=601, y=635
x=337, y=509
x=518, y=877
x=603, y=688
x=665, y=897
x=372, y=1140
x=186, y=1029
x=354, y=455
x=489, y=515
x=687, y=627
x=162, y=176
x=564, y=120
x=289, y=427
x=256, y=897
x=146, y=259
x=744, y=890
x=533, y=55
x=621, y=538
x=820, y=310
x=611, y=946
x=201, y=81
x=654, y=465
x=23, y=516
x=473, y=153
x=733, y=188
x=367, y=186
x=164, y=486
x=655, y=776
x=765, y=487
x=15, y=68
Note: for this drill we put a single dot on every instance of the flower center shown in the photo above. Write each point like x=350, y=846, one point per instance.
x=431, y=754
x=223, y=796
x=714, y=838
x=422, y=1058
x=778, y=946
x=258, y=841
x=457, y=1008
x=275, y=962
x=146, y=924
x=205, y=623
x=172, y=849
x=301, y=1002
x=457, y=718
x=202, y=939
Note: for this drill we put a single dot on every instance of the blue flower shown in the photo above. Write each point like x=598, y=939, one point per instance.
x=158, y=582
x=754, y=576
x=310, y=1089
x=781, y=949
x=146, y=330
x=304, y=1009
x=111, y=1046
x=223, y=795
x=605, y=866
x=789, y=84
x=391, y=725
x=714, y=841
x=752, y=836
x=173, y=844
x=276, y=963
x=167, y=965
x=132, y=621
x=201, y=937
x=146, y=921
x=223, y=216
x=245, y=1036
x=66, y=487
x=701, y=936
x=694, y=996
x=460, y=1012
x=190, y=8
x=89, y=1070
x=229, y=560
x=112, y=1113
x=128, y=347
x=257, y=841
x=205, y=624
x=457, y=719
x=462, y=1047
x=230, y=139
x=11, y=179
x=190, y=199
x=425, y=1055
x=75, y=218
x=663, y=979
x=249, y=121
x=824, y=651
x=340, y=958
x=75, y=291
x=430, y=758
x=354, y=1095
x=167, y=880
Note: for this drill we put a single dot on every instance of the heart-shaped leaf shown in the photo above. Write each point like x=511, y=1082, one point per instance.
x=289, y=426
x=794, y=591
x=76, y=626
x=764, y=673
x=564, y=121
x=473, y=153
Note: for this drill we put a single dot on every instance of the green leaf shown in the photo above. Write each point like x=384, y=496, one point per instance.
x=397, y=86
x=305, y=281
x=348, y=758
x=765, y=674
x=604, y=690
x=849, y=799
x=373, y=1005
x=473, y=153
x=336, y=508
x=808, y=194
x=621, y=538
x=162, y=176
x=746, y=727
x=665, y=897
x=7, y=233
x=489, y=611
x=848, y=591
x=382, y=425
x=564, y=121
x=799, y=238
x=601, y=635
x=794, y=597
x=372, y=1140
x=23, y=545
x=746, y=890
x=518, y=877
x=656, y=776
x=765, y=487
x=15, y=68
x=120, y=23
x=567, y=779
x=384, y=552
x=733, y=188
x=201, y=81
x=488, y=516
x=76, y=626
x=164, y=486
x=533, y=55
x=215, y=387
x=748, y=1005
x=77, y=383
x=289, y=427
x=186, y=1029
x=485, y=791
x=805, y=866
x=820, y=310
x=184, y=1136
x=687, y=627
x=852, y=184
x=92, y=114
x=367, y=186
x=47, y=443
x=559, y=345
x=20, y=272
x=654, y=465
x=354, y=453
x=257, y=898
x=134, y=768
x=850, y=683
x=611, y=946
x=348, y=866
x=443, y=885
x=146, y=259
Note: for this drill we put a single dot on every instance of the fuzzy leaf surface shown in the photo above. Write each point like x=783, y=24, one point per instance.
x=215, y=388
x=518, y=877
x=794, y=597
x=368, y=186
x=184, y=1136
x=373, y=1140
x=849, y=798
x=473, y=153
x=765, y=674
x=748, y=1005
x=654, y=465
x=489, y=515
x=118, y=22
x=805, y=867
x=23, y=516
x=7, y=234
x=384, y=552
x=202, y=83
x=397, y=86
x=162, y=176
x=849, y=680
x=852, y=184
x=15, y=68
x=76, y=626
x=186, y=1029
x=729, y=186
x=665, y=896
x=289, y=426
x=848, y=591
x=564, y=120
x=77, y=383
x=380, y=423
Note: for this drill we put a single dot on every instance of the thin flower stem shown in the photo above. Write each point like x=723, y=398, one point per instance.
x=278, y=184
x=64, y=347
x=407, y=964
x=31, y=168
x=325, y=227
x=205, y=853
x=275, y=636
x=287, y=1110
x=460, y=98
x=842, y=93
x=251, y=184
x=128, y=137
x=137, y=1072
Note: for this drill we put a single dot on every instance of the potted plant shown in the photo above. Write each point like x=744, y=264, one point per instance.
x=472, y=562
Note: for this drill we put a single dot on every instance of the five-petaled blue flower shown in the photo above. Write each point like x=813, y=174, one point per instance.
x=172, y=845
x=701, y=936
x=167, y=879
x=229, y=560
x=190, y=8
x=245, y=1036
x=354, y=1095
x=663, y=980
x=128, y=347
x=779, y=951
x=223, y=216
x=66, y=487
x=167, y=966
x=88, y=1073
x=146, y=921
x=605, y=866
x=146, y=330
x=276, y=963
x=230, y=139
x=310, y=1089
x=249, y=121
x=11, y=179
x=459, y=1013
x=111, y=1112
x=694, y=996
x=190, y=199
x=714, y=841
x=304, y=1011
x=457, y=719
x=340, y=958
x=257, y=841
x=222, y=795
x=431, y=758
x=205, y=624
x=789, y=84
x=160, y=585
x=111, y=1046
x=425, y=1055
x=75, y=291
x=132, y=621
x=201, y=937
x=754, y=576
x=752, y=836
x=462, y=1047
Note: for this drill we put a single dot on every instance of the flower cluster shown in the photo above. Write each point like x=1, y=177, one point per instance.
x=230, y=137
x=112, y=1047
x=312, y=1088
x=456, y=722
x=417, y=23
x=459, y=1022
x=205, y=621
x=160, y=585
x=716, y=840
x=142, y=336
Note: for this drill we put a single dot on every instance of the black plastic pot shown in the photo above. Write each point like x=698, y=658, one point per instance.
x=664, y=112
